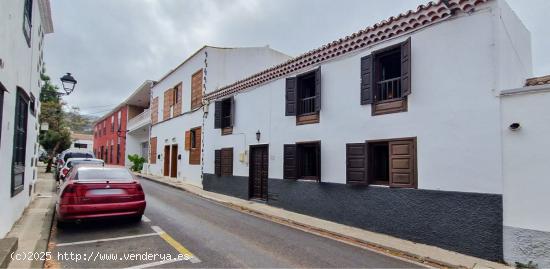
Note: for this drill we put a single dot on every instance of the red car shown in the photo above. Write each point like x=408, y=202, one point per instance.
x=97, y=192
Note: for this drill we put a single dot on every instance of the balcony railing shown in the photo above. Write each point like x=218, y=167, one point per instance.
x=389, y=89
x=306, y=105
x=140, y=120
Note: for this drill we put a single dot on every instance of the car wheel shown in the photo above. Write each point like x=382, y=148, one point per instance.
x=135, y=219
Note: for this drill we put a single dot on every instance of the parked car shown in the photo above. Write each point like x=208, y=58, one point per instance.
x=78, y=161
x=98, y=192
x=71, y=153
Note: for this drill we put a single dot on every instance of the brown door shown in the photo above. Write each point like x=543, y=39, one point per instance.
x=258, y=172
x=174, y=163
x=166, y=161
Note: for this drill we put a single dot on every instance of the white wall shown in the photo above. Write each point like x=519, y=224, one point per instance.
x=89, y=143
x=525, y=160
x=20, y=69
x=134, y=140
x=453, y=111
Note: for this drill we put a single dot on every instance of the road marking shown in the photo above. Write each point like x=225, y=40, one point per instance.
x=147, y=265
x=145, y=219
x=175, y=244
x=105, y=239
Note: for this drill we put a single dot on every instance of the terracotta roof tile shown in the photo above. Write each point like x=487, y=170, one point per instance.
x=538, y=81
x=430, y=13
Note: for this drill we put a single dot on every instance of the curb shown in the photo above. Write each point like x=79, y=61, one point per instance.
x=427, y=261
x=7, y=247
x=45, y=233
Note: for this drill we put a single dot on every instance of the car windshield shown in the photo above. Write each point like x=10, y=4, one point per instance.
x=77, y=155
x=72, y=163
x=111, y=174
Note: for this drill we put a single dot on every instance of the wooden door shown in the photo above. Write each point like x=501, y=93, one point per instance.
x=258, y=172
x=166, y=161
x=174, y=161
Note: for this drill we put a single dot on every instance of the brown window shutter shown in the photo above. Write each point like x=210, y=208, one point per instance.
x=318, y=89
x=290, y=97
x=232, y=118
x=406, y=67
x=356, y=163
x=187, y=140
x=366, y=80
x=289, y=162
x=402, y=163
x=218, y=162
x=155, y=110
x=218, y=114
x=153, y=150
x=227, y=162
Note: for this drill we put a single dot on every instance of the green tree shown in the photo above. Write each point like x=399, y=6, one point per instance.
x=58, y=136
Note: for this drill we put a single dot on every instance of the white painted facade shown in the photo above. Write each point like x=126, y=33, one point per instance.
x=220, y=66
x=453, y=111
x=525, y=170
x=20, y=66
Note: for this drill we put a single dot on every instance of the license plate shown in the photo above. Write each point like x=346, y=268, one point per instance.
x=106, y=192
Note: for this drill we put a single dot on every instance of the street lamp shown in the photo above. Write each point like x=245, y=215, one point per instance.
x=68, y=84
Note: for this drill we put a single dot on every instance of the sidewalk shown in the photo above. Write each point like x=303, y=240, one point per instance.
x=429, y=255
x=33, y=228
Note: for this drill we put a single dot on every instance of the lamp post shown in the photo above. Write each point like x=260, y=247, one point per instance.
x=68, y=82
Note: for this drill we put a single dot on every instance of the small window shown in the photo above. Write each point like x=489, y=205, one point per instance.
x=224, y=115
x=193, y=144
x=193, y=139
x=302, y=161
x=224, y=162
x=383, y=162
x=112, y=123
x=303, y=97
x=27, y=21
x=32, y=105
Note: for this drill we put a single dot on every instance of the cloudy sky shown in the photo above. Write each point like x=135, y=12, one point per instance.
x=112, y=46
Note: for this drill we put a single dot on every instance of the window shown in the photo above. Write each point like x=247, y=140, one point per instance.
x=196, y=90
x=27, y=21
x=80, y=145
x=385, y=79
x=101, y=156
x=225, y=115
x=153, y=152
x=19, y=142
x=302, y=161
x=118, y=151
x=112, y=123
x=382, y=162
x=32, y=105
x=223, y=162
x=168, y=108
x=303, y=97
x=118, y=120
x=177, y=99
x=144, y=149
x=193, y=144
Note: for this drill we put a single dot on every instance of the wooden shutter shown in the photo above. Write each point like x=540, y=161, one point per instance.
x=154, y=111
x=187, y=140
x=218, y=162
x=318, y=89
x=356, y=163
x=232, y=111
x=289, y=162
x=218, y=114
x=152, y=150
x=195, y=153
x=366, y=80
x=290, y=97
x=406, y=67
x=402, y=157
x=227, y=162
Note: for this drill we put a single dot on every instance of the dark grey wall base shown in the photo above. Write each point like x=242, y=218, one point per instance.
x=469, y=223
x=234, y=185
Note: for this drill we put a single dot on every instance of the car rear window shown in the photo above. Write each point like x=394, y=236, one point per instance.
x=77, y=155
x=112, y=174
x=72, y=163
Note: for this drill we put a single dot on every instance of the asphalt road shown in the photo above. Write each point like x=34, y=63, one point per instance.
x=213, y=236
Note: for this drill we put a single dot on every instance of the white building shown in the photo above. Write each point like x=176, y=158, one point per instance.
x=394, y=129
x=23, y=25
x=177, y=108
x=525, y=131
x=139, y=121
x=82, y=141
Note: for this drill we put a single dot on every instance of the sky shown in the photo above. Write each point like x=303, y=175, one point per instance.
x=112, y=46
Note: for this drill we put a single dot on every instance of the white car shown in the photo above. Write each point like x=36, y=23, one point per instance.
x=71, y=162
